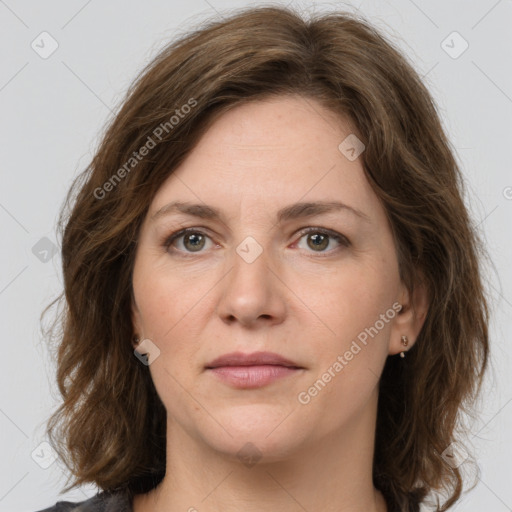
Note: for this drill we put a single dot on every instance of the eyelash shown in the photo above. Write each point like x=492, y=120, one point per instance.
x=342, y=240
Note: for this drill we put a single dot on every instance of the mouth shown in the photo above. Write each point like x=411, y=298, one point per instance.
x=249, y=371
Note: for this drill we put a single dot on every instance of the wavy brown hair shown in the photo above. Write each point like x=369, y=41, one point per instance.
x=110, y=428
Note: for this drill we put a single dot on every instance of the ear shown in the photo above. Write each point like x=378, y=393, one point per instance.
x=136, y=323
x=410, y=318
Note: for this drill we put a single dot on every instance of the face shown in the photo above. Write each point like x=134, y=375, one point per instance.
x=318, y=285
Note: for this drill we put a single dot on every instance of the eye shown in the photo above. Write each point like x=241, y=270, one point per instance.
x=187, y=240
x=320, y=239
x=193, y=240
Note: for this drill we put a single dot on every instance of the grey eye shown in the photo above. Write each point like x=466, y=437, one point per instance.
x=319, y=241
x=193, y=242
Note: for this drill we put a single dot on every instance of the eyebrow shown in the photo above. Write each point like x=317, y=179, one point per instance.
x=290, y=212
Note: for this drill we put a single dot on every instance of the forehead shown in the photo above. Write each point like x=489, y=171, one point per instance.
x=277, y=125
x=267, y=153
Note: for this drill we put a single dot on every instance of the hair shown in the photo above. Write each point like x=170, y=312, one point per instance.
x=110, y=428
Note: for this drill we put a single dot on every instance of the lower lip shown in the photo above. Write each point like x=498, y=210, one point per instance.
x=248, y=377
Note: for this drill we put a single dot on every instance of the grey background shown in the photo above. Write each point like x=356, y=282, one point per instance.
x=52, y=113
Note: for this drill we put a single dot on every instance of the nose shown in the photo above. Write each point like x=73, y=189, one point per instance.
x=252, y=293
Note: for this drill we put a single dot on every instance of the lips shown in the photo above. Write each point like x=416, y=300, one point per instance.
x=254, y=359
x=252, y=371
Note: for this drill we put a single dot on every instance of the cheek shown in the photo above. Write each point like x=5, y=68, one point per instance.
x=354, y=295
x=167, y=305
x=354, y=309
x=359, y=313
x=373, y=285
x=163, y=297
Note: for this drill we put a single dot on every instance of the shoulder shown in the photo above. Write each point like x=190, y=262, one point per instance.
x=103, y=502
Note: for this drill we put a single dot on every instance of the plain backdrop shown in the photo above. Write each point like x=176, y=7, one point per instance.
x=54, y=105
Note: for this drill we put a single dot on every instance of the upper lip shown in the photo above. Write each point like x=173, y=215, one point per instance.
x=256, y=358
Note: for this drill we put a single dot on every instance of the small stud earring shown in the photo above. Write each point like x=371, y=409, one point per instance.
x=405, y=342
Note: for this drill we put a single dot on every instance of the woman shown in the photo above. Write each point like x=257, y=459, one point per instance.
x=272, y=283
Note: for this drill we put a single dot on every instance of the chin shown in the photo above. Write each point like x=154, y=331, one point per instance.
x=255, y=449
x=253, y=434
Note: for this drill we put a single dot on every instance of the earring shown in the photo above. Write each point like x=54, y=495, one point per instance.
x=136, y=340
x=405, y=342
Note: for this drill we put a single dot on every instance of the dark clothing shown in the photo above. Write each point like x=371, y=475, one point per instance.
x=122, y=501
x=103, y=502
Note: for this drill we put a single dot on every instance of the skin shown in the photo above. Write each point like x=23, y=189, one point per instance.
x=303, y=302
